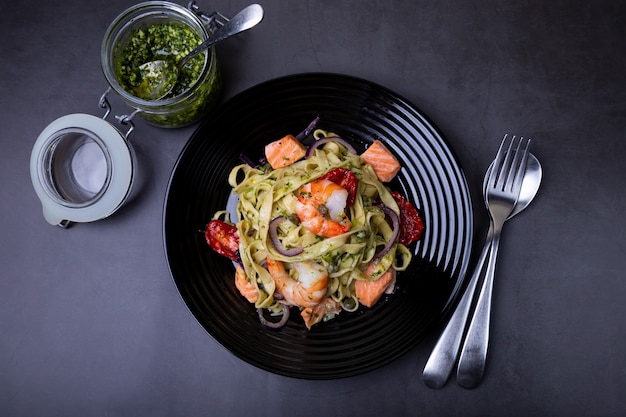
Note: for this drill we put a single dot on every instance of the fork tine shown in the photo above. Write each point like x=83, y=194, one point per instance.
x=502, y=164
x=512, y=160
x=497, y=164
x=507, y=166
x=518, y=167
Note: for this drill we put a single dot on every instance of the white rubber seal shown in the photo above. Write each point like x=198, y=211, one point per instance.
x=114, y=188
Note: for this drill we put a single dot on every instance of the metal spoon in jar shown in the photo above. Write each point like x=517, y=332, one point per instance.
x=444, y=355
x=159, y=77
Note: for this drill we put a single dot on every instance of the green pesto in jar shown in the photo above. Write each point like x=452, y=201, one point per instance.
x=164, y=41
x=199, y=82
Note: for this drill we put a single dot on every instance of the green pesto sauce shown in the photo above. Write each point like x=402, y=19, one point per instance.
x=164, y=41
x=169, y=41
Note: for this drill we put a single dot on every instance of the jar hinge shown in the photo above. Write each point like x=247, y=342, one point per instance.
x=212, y=20
x=104, y=103
x=123, y=119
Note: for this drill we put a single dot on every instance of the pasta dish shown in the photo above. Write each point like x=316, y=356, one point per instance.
x=316, y=228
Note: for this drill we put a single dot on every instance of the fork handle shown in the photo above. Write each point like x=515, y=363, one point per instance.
x=443, y=357
x=474, y=353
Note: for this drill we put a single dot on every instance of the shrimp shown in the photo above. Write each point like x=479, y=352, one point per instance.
x=321, y=208
x=244, y=286
x=315, y=314
x=307, y=289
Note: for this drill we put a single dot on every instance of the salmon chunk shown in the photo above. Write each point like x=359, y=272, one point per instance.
x=369, y=292
x=385, y=165
x=284, y=152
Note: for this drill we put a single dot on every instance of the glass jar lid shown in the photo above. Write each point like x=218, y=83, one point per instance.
x=82, y=169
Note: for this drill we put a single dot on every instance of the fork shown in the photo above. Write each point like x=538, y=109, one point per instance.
x=503, y=188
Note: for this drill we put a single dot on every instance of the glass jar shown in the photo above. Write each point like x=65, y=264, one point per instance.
x=184, y=108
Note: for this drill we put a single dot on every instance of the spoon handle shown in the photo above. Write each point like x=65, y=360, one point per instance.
x=474, y=353
x=247, y=18
x=443, y=356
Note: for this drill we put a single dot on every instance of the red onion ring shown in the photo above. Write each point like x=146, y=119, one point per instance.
x=246, y=159
x=276, y=241
x=395, y=225
x=274, y=324
x=322, y=141
x=306, y=132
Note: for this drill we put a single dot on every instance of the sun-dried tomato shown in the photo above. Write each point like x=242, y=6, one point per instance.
x=345, y=179
x=411, y=224
x=222, y=237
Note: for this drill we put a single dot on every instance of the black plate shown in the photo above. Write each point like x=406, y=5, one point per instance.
x=360, y=111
